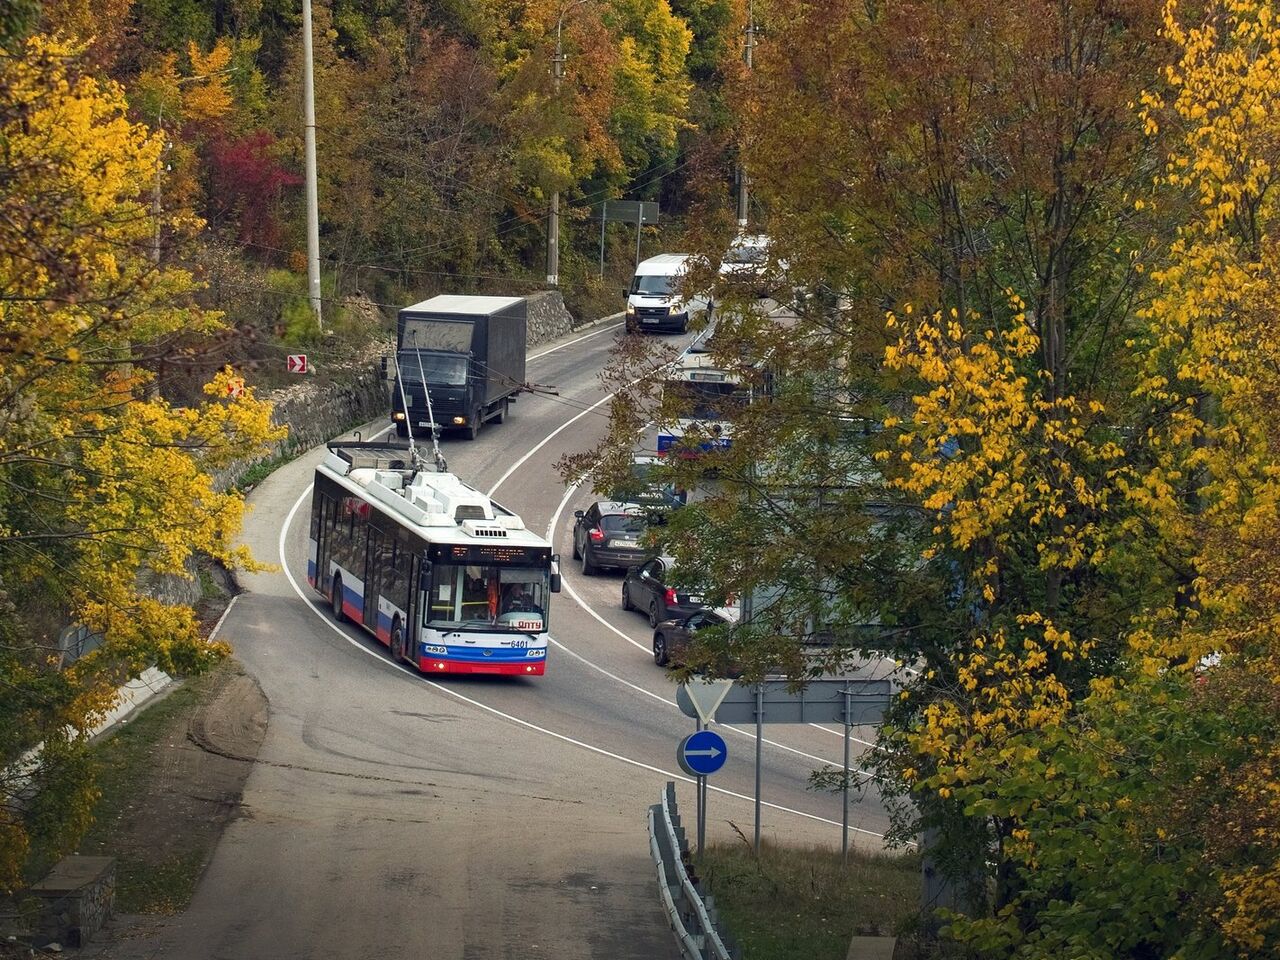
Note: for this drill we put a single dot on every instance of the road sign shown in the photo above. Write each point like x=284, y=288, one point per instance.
x=629, y=211
x=819, y=701
x=702, y=754
x=296, y=363
x=235, y=387
x=705, y=695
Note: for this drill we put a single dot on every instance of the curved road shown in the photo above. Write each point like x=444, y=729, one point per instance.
x=390, y=815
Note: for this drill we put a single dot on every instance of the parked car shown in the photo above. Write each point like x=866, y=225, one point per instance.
x=672, y=638
x=609, y=534
x=647, y=588
x=654, y=300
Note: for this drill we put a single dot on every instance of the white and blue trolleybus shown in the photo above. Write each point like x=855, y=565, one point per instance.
x=443, y=576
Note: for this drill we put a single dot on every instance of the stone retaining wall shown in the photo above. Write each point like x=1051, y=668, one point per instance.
x=77, y=898
x=548, y=317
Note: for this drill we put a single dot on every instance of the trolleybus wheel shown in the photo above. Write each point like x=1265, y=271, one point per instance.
x=397, y=640
x=337, y=599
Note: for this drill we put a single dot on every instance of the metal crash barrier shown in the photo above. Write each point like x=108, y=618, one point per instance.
x=692, y=916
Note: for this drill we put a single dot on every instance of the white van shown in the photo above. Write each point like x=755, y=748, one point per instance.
x=653, y=299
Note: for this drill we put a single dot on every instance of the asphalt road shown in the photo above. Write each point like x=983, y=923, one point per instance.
x=391, y=815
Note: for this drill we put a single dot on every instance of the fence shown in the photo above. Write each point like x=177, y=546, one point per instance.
x=692, y=916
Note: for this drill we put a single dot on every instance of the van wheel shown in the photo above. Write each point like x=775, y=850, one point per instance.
x=473, y=429
x=336, y=599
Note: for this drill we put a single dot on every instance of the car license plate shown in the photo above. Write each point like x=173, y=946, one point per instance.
x=622, y=544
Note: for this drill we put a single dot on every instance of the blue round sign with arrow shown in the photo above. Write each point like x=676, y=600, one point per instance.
x=701, y=754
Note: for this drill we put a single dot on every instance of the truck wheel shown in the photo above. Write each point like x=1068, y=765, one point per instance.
x=501, y=415
x=473, y=429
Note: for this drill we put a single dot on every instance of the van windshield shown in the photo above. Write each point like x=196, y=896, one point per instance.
x=652, y=286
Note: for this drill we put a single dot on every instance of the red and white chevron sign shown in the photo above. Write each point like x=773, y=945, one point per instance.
x=296, y=363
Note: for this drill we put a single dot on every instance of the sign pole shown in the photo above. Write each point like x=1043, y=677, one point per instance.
x=844, y=784
x=759, y=743
x=699, y=784
x=604, y=216
x=639, y=220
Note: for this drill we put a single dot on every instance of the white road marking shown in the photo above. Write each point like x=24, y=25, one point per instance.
x=378, y=656
x=585, y=336
x=213, y=634
x=544, y=441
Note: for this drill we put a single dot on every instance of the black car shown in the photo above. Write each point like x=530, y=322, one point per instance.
x=608, y=534
x=672, y=638
x=646, y=589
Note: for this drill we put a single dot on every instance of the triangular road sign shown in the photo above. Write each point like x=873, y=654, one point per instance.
x=705, y=696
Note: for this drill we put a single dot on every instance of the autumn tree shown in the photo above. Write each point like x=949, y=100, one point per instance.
x=102, y=484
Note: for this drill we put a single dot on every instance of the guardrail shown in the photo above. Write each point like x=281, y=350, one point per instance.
x=692, y=916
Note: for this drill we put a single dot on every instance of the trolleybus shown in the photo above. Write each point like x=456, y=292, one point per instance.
x=446, y=578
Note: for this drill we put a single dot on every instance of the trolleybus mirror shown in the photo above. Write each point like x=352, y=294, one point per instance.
x=424, y=577
x=555, y=573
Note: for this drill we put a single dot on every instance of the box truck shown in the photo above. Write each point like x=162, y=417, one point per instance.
x=469, y=352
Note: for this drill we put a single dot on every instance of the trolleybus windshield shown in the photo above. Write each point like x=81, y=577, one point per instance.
x=478, y=596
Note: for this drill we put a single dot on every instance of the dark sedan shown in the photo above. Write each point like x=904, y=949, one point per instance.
x=672, y=638
x=646, y=588
x=608, y=534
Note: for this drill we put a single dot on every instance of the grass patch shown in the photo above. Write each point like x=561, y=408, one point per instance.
x=148, y=880
x=805, y=904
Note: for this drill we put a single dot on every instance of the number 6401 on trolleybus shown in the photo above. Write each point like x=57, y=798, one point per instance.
x=447, y=579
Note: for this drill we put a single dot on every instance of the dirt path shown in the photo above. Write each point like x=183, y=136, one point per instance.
x=166, y=827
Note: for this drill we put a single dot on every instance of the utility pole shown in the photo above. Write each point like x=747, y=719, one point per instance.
x=313, y=206
x=742, y=170
x=553, y=216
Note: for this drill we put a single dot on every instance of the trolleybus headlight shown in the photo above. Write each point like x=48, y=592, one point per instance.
x=535, y=653
x=432, y=650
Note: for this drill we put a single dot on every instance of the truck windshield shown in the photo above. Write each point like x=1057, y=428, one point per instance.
x=439, y=368
x=480, y=597
x=652, y=286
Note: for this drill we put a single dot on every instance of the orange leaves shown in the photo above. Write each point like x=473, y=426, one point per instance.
x=210, y=99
